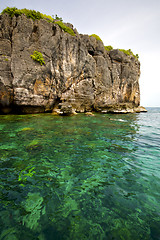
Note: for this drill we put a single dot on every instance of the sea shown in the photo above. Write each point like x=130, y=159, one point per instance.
x=80, y=177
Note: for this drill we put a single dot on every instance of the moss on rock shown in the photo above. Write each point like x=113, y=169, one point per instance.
x=96, y=37
x=65, y=28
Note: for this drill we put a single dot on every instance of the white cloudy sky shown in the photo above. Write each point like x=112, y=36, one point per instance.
x=127, y=24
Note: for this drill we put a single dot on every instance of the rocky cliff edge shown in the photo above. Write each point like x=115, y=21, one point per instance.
x=79, y=75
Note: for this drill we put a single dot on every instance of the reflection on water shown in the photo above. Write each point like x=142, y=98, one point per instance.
x=80, y=177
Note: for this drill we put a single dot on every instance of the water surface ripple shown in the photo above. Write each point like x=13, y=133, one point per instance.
x=80, y=177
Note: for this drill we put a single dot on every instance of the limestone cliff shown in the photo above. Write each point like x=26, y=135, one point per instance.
x=79, y=75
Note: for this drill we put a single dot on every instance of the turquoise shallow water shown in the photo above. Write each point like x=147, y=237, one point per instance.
x=80, y=177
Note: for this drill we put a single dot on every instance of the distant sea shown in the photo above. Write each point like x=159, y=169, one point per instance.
x=80, y=177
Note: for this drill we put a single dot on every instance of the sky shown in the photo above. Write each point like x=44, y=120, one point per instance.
x=124, y=24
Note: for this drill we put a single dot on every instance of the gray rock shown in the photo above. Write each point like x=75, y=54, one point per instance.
x=79, y=75
x=117, y=55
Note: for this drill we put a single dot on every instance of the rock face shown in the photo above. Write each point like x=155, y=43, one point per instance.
x=79, y=75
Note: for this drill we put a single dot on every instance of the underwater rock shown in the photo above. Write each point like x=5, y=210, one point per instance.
x=34, y=145
x=89, y=114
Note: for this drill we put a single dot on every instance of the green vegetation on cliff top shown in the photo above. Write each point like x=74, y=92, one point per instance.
x=129, y=53
x=17, y=12
x=108, y=48
x=96, y=37
x=37, y=15
x=65, y=28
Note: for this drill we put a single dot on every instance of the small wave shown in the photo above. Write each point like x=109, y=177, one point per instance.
x=119, y=120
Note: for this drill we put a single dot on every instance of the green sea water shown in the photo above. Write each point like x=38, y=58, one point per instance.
x=80, y=177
